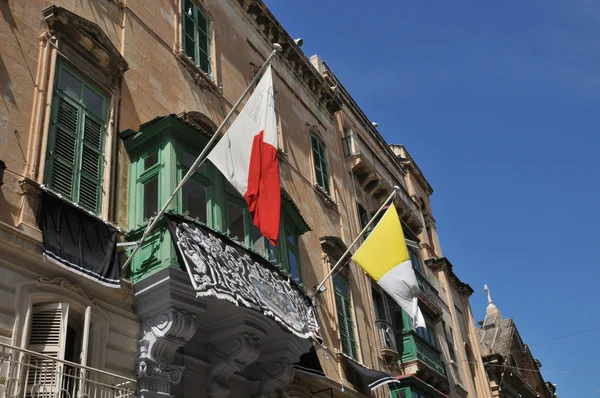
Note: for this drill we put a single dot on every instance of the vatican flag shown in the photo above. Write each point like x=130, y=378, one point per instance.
x=384, y=256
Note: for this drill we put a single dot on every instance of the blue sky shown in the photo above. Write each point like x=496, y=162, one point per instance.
x=498, y=103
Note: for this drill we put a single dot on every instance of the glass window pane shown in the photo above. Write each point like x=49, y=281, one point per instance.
x=195, y=200
x=150, y=160
x=414, y=258
x=341, y=286
x=150, y=198
x=291, y=237
x=235, y=218
x=272, y=252
x=93, y=101
x=258, y=241
x=294, y=266
x=69, y=84
x=188, y=161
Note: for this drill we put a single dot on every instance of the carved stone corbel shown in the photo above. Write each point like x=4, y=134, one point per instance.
x=232, y=355
x=162, y=335
x=273, y=375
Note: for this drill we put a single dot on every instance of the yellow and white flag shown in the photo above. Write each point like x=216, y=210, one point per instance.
x=384, y=256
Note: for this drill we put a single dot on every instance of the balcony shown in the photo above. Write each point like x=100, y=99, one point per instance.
x=376, y=178
x=25, y=374
x=387, y=340
x=423, y=359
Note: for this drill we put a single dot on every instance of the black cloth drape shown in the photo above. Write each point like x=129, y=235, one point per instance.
x=363, y=378
x=221, y=268
x=79, y=242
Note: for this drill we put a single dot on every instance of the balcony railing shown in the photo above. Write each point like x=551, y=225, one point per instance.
x=28, y=374
x=387, y=340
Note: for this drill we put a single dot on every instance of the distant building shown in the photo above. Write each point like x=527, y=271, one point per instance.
x=512, y=370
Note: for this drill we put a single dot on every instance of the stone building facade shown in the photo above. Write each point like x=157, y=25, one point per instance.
x=105, y=105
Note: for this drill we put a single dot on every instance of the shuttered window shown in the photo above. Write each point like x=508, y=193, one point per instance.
x=343, y=306
x=196, y=35
x=47, y=336
x=59, y=334
x=75, y=157
x=320, y=163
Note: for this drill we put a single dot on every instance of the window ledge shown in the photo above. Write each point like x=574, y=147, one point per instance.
x=329, y=201
x=200, y=77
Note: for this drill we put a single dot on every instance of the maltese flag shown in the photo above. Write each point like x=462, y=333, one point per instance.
x=247, y=157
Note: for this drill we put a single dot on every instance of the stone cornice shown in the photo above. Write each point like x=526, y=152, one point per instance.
x=299, y=65
x=444, y=264
x=90, y=38
x=412, y=167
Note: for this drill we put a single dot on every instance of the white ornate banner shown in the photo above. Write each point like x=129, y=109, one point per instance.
x=221, y=268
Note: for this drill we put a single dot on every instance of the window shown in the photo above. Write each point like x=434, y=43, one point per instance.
x=291, y=261
x=57, y=333
x=450, y=342
x=380, y=314
x=428, y=333
x=195, y=192
x=344, y=311
x=413, y=252
x=363, y=219
x=196, y=35
x=320, y=162
x=149, y=183
x=75, y=157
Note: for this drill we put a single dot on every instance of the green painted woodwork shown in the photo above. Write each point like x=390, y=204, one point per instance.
x=412, y=387
x=75, y=155
x=416, y=347
x=343, y=305
x=415, y=344
x=412, y=392
x=161, y=153
x=196, y=35
x=320, y=162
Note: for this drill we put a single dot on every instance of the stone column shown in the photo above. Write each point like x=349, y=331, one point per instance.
x=161, y=336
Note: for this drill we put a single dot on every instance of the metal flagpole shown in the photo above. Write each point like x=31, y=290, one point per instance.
x=200, y=159
x=340, y=261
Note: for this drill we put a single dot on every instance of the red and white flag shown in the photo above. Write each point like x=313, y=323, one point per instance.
x=247, y=157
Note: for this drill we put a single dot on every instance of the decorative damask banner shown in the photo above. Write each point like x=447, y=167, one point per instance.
x=219, y=267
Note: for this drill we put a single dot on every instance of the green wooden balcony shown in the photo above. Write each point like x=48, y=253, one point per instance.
x=415, y=347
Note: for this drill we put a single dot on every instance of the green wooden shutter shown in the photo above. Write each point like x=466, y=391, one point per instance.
x=343, y=324
x=346, y=323
x=63, y=154
x=350, y=326
x=92, y=160
x=75, y=159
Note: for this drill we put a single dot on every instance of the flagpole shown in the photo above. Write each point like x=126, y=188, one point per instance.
x=340, y=261
x=201, y=158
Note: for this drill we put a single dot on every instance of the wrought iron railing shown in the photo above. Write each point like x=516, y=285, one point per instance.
x=386, y=335
x=28, y=374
